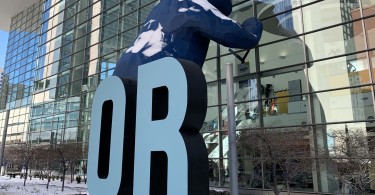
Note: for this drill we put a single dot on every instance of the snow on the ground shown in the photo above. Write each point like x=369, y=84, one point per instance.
x=35, y=186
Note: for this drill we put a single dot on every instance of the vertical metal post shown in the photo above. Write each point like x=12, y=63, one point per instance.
x=4, y=139
x=233, y=167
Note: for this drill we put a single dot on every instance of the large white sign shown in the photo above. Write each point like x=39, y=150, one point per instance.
x=155, y=149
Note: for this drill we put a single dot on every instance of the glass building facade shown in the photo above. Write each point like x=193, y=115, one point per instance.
x=311, y=76
x=1, y=77
x=19, y=70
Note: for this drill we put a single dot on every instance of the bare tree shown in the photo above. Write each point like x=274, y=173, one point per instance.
x=12, y=158
x=26, y=155
x=284, y=152
x=20, y=156
x=70, y=154
x=48, y=157
x=350, y=158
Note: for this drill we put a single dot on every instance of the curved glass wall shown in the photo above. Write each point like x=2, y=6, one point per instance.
x=310, y=78
x=308, y=83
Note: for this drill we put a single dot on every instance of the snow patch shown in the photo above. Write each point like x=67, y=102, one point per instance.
x=35, y=186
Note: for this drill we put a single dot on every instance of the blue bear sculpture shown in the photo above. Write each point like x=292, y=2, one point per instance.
x=182, y=29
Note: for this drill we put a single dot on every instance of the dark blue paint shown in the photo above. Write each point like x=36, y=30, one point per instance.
x=182, y=29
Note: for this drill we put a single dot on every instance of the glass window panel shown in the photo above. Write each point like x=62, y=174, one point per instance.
x=210, y=70
x=354, y=133
x=83, y=4
x=65, y=64
x=211, y=122
x=76, y=88
x=33, y=137
x=83, y=16
x=128, y=38
x=77, y=73
x=275, y=90
x=212, y=94
x=70, y=11
x=335, y=41
x=328, y=12
x=48, y=109
x=109, y=31
x=109, y=4
x=212, y=141
x=68, y=24
x=129, y=21
x=56, y=43
x=108, y=62
x=212, y=50
x=290, y=154
x=238, y=68
x=245, y=89
x=85, y=117
x=281, y=54
x=111, y=15
x=285, y=111
x=372, y=59
x=38, y=98
x=129, y=6
x=80, y=44
x=60, y=106
x=88, y=100
x=66, y=50
x=339, y=72
x=368, y=7
x=93, y=82
x=78, y=58
x=72, y=104
x=109, y=46
x=70, y=134
x=62, y=91
x=144, y=2
x=246, y=115
x=145, y=11
x=290, y=83
x=344, y=105
x=72, y=119
x=370, y=31
x=281, y=27
x=217, y=172
x=104, y=75
x=63, y=78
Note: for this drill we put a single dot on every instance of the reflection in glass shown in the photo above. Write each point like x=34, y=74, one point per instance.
x=212, y=94
x=246, y=114
x=328, y=12
x=370, y=31
x=281, y=26
x=244, y=90
x=280, y=54
x=339, y=72
x=211, y=122
x=210, y=70
x=368, y=7
x=239, y=68
x=344, y=105
x=335, y=41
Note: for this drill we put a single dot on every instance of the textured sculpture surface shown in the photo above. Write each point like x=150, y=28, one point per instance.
x=182, y=29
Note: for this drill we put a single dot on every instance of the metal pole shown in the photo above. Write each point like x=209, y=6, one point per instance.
x=233, y=167
x=4, y=139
